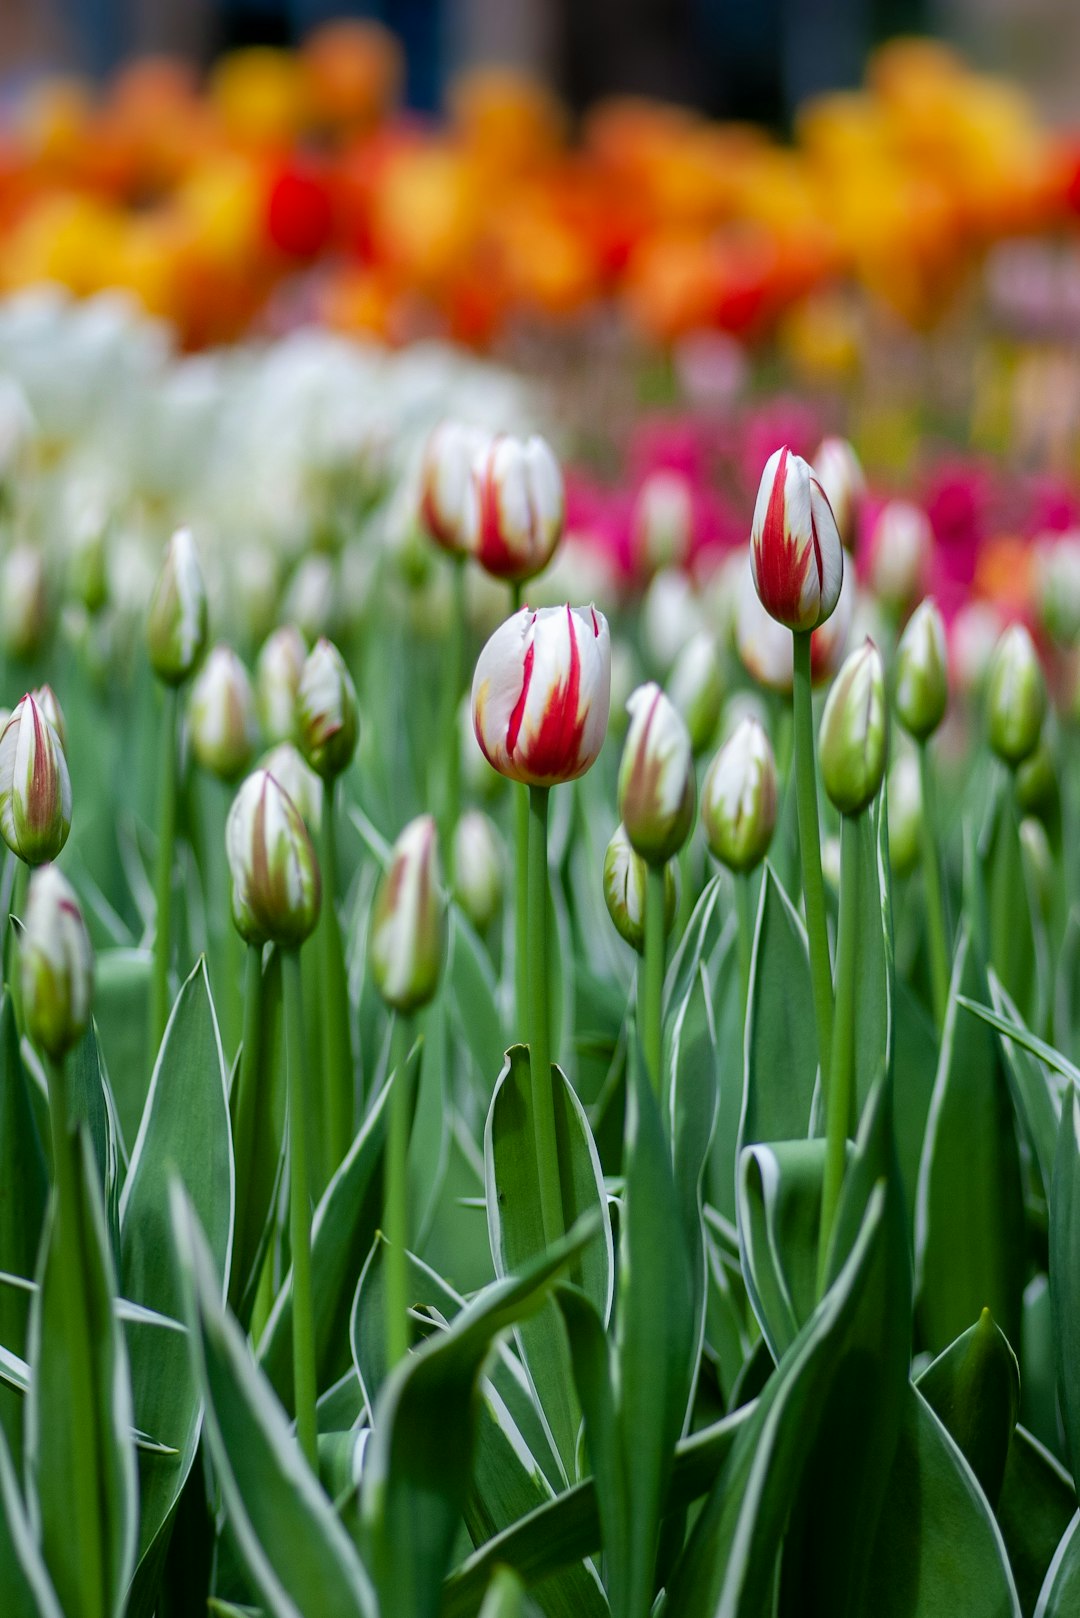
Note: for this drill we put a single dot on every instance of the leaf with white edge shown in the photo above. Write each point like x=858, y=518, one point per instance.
x=974, y=1389
x=505, y=1598
x=1060, y=1595
x=779, y=1222
x=781, y=1052
x=24, y=1191
x=1035, y=1096
x=26, y=1588
x=1035, y=1508
x=1064, y=1267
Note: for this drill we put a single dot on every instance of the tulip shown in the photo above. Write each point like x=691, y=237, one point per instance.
x=657, y=790
x=49, y=703
x=840, y=474
x=541, y=693
x=625, y=884
x=1015, y=697
x=176, y=620
x=739, y=798
x=221, y=713
x=922, y=686
x=520, y=508
x=35, y=788
x=275, y=875
x=56, y=965
x=478, y=877
x=853, y=732
x=449, y=495
x=327, y=711
x=795, y=550
x=1037, y=790
x=696, y=688
x=904, y=795
x=408, y=924
x=662, y=523
x=23, y=602
x=278, y=670
x=297, y=780
x=901, y=545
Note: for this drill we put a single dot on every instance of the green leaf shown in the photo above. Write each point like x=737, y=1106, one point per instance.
x=24, y=1190
x=26, y=1588
x=873, y=951
x=693, y=1099
x=1017, y=1031
x=257, y=1202
x=516, y=1234
x=505, y=1598
x=974, y=1389
x=1034, y=1095
x=417, y=1465
x=1064, y=1268
x=294, y=1548
x=1036, y=1505
x=184, y=1131
x=105, y=1402
x=122, y=1008
x=779, y=1222
x=781, y=1053
x=969, y=1225
x=473, y=992
x=1060, y=1595
x=915, y=1060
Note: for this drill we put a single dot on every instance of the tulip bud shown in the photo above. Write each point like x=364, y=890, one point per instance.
x=408, y=923
x=176, y=621
x=840, y=474
x=478, y=878
x=1038, y=862
x=900, y=552
x=657, y=789
x=696, y=689
x=541, y=692
x=625, y=877
x=327, y=711
x=738, y=798
x=35, y=788
x=905, y=814
x=275, y=876
x=449, y=498
x=24, y=609
x=662, y=523
x=520, y=508
x=277, y=677
x=221, y=714
x=1015, y=696
x=922, y=681
x=56, y=965
x=286, y=764
x=49, y=703
x=853, y=734
x=1037, y=784
x=795, y=550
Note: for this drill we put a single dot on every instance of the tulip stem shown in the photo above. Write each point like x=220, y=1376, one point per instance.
x=521, y=870
x=159, y=997
x=68, y=1237
x=838, y=1094
x=244, y=1114
x=337, y=1054
x=652, y=1010
x=935, y=907
x=543, y=1101
x=396, y=1206
x=745, y=919
x=303, y=1316
x=810, y=850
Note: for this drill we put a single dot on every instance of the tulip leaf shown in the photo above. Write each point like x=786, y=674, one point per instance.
x=969, y=1225
x=24, y=1190
x=693, y=1104
x=294, y=1548
x=873, y=949
x=1035, y=1096
x=417, y=1466
x=974, y=1389
x=121, y=1007
x=1064, y=1268
x=915, y=1060
x=184, y=1131
x=257, y=1197
x=26, y=1587
x=100, y=1462
x=1015, y=943
x=1060, y=1594
x=779, y=1222
x=505, y=1597
x=781, y=1054
x=1036, y=1505
x=730, y=1022
x=516, y=1234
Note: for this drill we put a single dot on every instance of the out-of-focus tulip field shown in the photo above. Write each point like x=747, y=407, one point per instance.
x=540, y=803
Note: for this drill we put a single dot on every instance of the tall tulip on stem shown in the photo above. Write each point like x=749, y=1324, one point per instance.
x=798, y=568
x=922, y=693
x=540, y=699
x=738, y=813
x=1015, y=710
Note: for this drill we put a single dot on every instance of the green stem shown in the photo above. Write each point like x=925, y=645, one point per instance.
x=810, y=850
x=20, y=889
x=839, y=1096
x=87, y=1527
x=521, y=894
x=652, y=1009
x=937, y=937
x=337, y=1053
x=245, y=1112
x=396, y=1206
x=745, y=918
x=1006, y=892
x=159, y=997
x=303, y=1317
x=543, y=1101
x=455, y=682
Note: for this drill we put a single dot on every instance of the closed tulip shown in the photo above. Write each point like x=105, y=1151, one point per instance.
x=449, y=496
x=327, y=711
x=795, y=549
x=276, y=886
x=177, y=619
x=625, y=876
x=35, y=788
x=1015, y=696
x=408, y=923
x=520, y=508
x=278, y=670
x=56, y=965
x=922, y=682
x=739, y=798
x=853, y=732
x=657, y=788
x=221, y=715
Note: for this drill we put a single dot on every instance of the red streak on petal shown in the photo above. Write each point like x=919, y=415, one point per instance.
x=595, y=623
x=513, y=729
x=492, y=551
x=553, y=754
x=780, y=571
x=40, y=804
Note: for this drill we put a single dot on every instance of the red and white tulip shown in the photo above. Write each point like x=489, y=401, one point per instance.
x=795, y=548
x=520, y=508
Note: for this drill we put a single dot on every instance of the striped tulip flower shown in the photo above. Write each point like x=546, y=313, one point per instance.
x=35, y=788
x=541, y=694
x=448, y=490
x=327, y=711
x=795, y=549
x=739, y=798
x=276, y=887
x=176, y=621
x=520, y=509
x=408, y=923
x=657, y=787
x=56, y=964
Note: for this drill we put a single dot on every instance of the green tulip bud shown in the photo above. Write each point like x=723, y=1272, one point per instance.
x=478, y=868
x=657, y=789
x=221, y=715
x=1015, y=697
x=278, y=672
x=922, y=682
x=56, y=965
x=625, y=877
x=696, y=688
x=905, y=814
x=176, y=621
x=738, y=798
x=408, y=923
x=853, y=732
x=35, y=788
x=327, y=711
x=276, y=888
